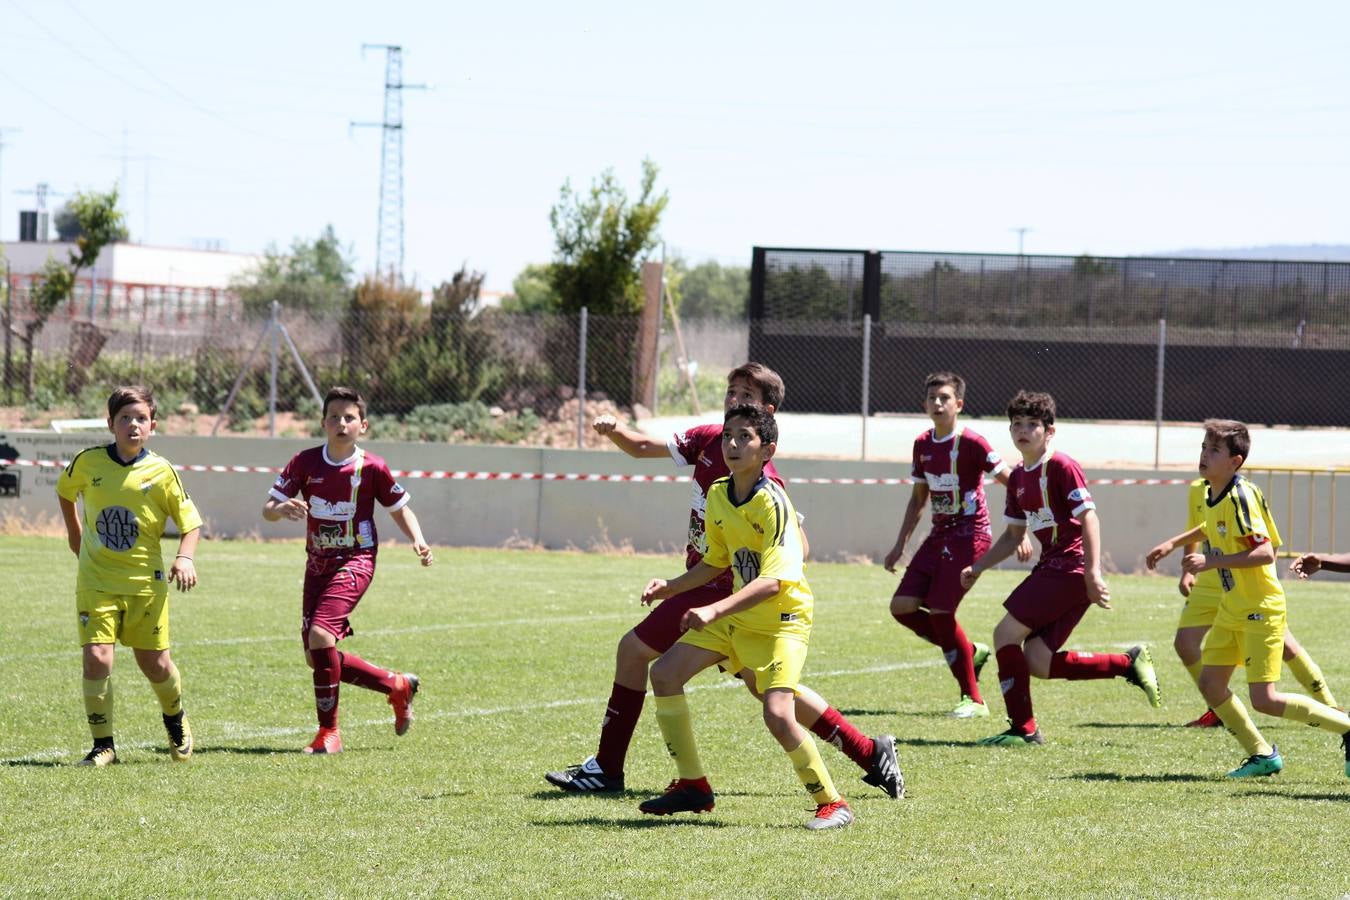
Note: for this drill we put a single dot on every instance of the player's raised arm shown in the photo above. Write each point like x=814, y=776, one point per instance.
x=637, y=444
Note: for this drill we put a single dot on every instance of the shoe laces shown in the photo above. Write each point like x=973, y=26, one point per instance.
x=826, y=810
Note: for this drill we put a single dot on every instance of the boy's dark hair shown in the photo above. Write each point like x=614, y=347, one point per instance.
x=1231, y=434
x=946, y=379
x=770, y=383
x=346, y=395
x=1035, y=404
x=129, y=394
x=759, y=419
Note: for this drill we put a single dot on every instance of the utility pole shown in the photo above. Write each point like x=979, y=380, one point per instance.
x=124, y=185
x=3, y=132
x=389, y=227
x=1021, y=233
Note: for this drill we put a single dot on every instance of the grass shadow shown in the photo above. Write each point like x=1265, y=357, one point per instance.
x=1135, y=725
x=850, y=712
x=1335, y=798
x=35, y=763
x=645, y=822
x=1116, y=777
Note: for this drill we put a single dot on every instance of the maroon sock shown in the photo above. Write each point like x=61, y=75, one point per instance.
x=357, y=671
x=327, y=666
x=1015, y=681
x=616, y=731
x=834, y=729
x=960, y=653
x=1076, y=666
x=918, y=622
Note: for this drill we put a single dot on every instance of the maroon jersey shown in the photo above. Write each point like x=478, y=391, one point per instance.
x=701, y=447
x=953, y=468
x=341, y=496
x=1047, y=499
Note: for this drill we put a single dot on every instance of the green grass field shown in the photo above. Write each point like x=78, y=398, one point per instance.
x=515, y=649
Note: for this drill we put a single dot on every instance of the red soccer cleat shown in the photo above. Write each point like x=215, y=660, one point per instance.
x=401, y=698
x=1207, y=720
x=328, y=740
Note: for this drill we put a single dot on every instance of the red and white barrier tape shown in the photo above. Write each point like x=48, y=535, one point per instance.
x=569, y=476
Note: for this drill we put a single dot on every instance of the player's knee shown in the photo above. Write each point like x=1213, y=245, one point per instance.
x=632, y=649
x=665, y=680
x=1009, y=632
x=903, y=606
x=1267, y=703
x=1186, y=648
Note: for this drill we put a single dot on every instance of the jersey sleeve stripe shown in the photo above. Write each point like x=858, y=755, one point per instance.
x=70, y=469
x=779, y=512
x=277, y=495
x=402, y=502
x=1244, y=512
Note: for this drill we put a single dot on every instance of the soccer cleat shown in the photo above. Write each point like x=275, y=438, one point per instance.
x=180, y=736
x=328, y=740
x=1208, y=719
x=885, y=771
x=969, y=709
x=1260, y=766
x=1014, y=738
x=105, y=755
x=981, y=657
x=1142, y=676
x=683, y=795
x=587, y=778
x=831, y=815
x=1345, y=744
x=401, y=698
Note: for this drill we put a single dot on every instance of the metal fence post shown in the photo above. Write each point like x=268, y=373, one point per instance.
x=866, y=377
x=1158, y=395
x=272, y=372
x=581, y=383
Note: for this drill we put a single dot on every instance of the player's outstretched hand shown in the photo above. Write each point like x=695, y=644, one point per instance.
x=1157, y=553
x=184, y=573
x=295, y=509
x=1186, y=583
x=697, y=619
x=1306, y=566
x=893, y=557
x=655, y=590
x=423, y=552
x=1193, y=563
x=968, y=577
x=1024, y=549
x=1097, y=590
x=605, y=424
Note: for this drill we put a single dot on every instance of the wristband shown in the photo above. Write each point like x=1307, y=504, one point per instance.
x=182, y=556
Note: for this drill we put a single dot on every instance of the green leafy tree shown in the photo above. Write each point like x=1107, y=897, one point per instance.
x=709, y=290
x=101, y=223
x=600, y=238
x=315, y=276
x=382, y=318
x=532, y=291
x=69, y=229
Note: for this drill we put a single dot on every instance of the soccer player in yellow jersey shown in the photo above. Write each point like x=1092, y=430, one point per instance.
x=128, y=494
x=764, y=626
x=1249, y=626
x=1203, y=593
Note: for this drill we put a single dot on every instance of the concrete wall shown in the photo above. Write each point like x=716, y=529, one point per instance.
x=843, y=521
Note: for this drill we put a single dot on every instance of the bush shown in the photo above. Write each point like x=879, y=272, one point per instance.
x=442, y=422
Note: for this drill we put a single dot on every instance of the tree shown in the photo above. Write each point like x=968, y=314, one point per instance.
x=600, y=239
x=69, y=229
x=532, y=291
x=100, y=224
x=315, y=276
x=710, y=291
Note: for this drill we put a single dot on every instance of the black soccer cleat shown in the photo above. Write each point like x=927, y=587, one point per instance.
x=885, y=771
x=683, y=795
x=587, y=778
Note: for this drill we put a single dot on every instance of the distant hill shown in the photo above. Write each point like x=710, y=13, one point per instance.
x=1291, y=252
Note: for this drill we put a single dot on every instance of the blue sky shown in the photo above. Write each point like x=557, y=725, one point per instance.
x=1101, y=128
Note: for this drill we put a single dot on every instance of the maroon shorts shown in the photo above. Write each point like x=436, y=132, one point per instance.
x=1050, y=603
x=332, y=592
x=661, y=629
x=934, y=574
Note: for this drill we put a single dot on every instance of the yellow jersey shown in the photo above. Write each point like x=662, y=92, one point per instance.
x=1196, y=499
x=125, y=509
x=759, y=537
x=1236, y=521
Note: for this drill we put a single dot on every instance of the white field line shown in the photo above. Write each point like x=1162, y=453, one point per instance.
x=234, y=732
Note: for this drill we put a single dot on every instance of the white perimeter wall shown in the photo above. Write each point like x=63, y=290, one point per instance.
x=843, y=521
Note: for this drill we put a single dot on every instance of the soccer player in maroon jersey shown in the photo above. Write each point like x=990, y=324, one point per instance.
x=333, y=489
x=701, y=447
x=948, y=468
x=1048, y=495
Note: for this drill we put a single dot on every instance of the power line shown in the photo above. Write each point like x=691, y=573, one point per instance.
x=3, y=132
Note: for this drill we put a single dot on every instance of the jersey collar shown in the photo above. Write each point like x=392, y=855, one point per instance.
x=339, y=462
x=731, y=490
x=112, y=454
x=1215, y=501
x=1040, y=462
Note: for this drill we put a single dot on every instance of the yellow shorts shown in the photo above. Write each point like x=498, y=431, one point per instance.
x=1201, y=608
x=1252, y=638
x=139, y=621
x=776, y=659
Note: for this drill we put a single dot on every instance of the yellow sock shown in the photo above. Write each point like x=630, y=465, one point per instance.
x=98, y=706
x=1309, y=674
x=1318, y=715
x=812, y=772
x=1236, y=719
x=672, y=714
x=170, y=692
x=1194, y=670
